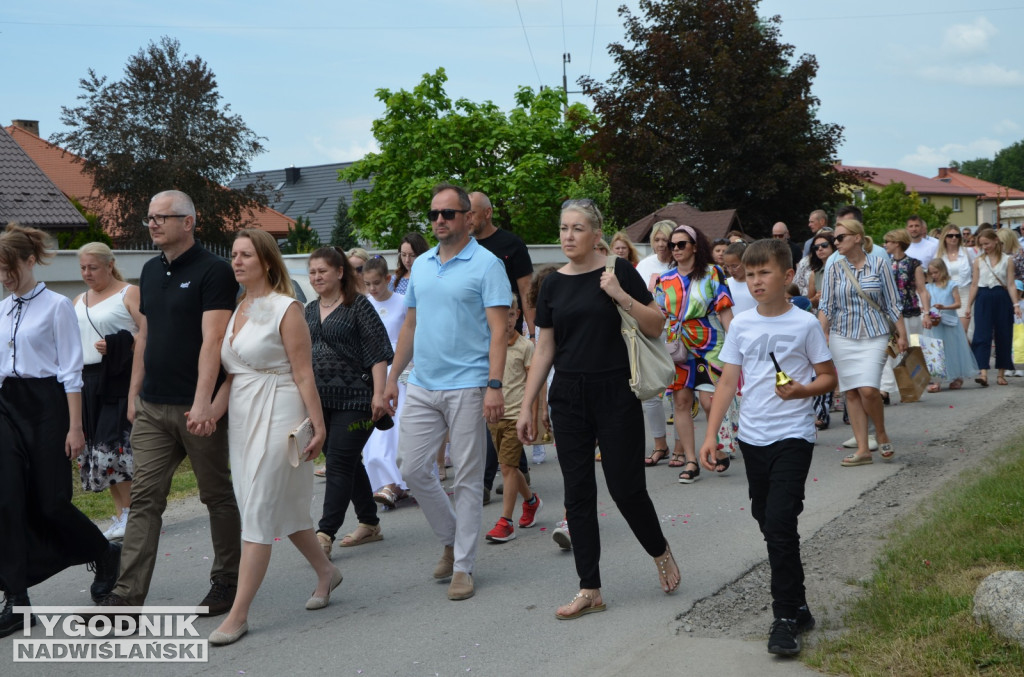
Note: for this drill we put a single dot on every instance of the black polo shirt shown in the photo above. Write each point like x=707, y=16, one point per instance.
x=508, y=247
x=173, y=297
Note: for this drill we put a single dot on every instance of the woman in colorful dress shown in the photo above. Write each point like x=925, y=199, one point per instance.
x=695, y=298
x=108, y=320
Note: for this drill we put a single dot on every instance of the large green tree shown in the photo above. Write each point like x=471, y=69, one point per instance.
x=889, y=208
x=1006, y=169
x=342, y=234
x=521, y=160
x=162, y=126
x=707, y=102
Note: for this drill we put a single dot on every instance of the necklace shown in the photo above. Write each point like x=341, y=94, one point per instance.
x=333, y=303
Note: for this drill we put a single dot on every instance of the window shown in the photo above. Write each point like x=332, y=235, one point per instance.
x=924, y=200
x=320, y=203
x=956, y=204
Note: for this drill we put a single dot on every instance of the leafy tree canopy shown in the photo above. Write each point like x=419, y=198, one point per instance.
x=707, y=102
x=521, y=159
x=889, y=208
x=1006, y=169
x=301, y=239
x=593, y=183
x=161, y=127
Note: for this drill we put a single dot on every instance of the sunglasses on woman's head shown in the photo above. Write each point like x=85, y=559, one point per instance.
x=681, y=244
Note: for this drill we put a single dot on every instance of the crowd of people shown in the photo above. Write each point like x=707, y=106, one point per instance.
x=464, y=353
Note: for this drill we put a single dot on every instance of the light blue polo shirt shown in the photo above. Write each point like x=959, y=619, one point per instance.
x=452, y=340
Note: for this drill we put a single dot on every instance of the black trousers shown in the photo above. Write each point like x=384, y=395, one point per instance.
x=993, y=319
x=41, y=531
x=491, y=464
x=586, y=408
x=347, y=481
x=776, y=475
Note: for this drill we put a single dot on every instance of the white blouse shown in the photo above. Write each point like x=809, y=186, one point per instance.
x=960, y=271
x=100, y=320
x=39, y=338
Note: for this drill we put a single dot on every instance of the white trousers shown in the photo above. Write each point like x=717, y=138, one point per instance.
x=427, y=417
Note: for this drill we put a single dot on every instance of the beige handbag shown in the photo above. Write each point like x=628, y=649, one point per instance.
x=298, y=440
x=651, y=370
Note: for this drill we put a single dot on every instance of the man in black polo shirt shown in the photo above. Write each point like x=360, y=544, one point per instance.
x=187, y=297
x=519, y=268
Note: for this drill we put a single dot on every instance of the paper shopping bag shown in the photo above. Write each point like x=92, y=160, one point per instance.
x=1018, y=343
x=912, y=375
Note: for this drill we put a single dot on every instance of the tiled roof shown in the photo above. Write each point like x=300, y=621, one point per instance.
x=713, y=224
x=883, y=176
x=28, y=196
x=66, y=171
x=314, y=194
x=987, y=188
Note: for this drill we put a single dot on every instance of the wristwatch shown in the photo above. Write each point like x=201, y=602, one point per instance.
x=494, y=383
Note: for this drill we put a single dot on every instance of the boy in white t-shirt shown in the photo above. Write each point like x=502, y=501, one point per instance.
x=777, y=431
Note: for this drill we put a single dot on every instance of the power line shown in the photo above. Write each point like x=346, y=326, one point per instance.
x=593, y=39
x=561, y=4
x=529, y=49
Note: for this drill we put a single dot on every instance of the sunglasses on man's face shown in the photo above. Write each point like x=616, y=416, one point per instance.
x=448, y=214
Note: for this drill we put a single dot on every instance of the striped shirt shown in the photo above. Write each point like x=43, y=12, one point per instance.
x=849, y=315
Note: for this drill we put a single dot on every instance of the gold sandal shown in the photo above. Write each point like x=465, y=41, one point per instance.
x=591, y=608
x=663, y=571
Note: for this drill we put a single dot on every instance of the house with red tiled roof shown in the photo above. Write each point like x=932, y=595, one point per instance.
x=989, y=210
x=66, y=171
x=962, y=200
x=713, y=224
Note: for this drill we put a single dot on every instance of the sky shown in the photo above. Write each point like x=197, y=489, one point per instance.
x=915, y=83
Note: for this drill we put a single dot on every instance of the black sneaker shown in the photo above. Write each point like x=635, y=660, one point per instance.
x=106, y=567
x=220, y=598
x=11, y=621
x=784, y=636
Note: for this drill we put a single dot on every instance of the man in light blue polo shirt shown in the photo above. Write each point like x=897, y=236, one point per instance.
x=458, y=299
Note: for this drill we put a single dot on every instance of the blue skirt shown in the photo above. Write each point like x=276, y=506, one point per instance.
x=960, y=362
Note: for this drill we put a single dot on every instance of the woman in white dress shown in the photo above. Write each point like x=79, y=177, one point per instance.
x=269, y=391
x=380, y=455
x=959, y=260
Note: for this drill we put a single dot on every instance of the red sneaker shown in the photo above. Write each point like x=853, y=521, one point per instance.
x=501, y=532
x=529, y=517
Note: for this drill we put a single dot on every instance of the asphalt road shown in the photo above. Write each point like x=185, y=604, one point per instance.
x=389, y=617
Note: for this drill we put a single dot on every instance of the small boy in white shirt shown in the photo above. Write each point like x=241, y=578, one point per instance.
x=777, y=432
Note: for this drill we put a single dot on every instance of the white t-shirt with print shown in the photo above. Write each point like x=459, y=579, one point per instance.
x=798, y=342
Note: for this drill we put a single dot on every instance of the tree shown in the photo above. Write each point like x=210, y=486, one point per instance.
x=1006, y=169
x=889, y=208
x=301, y=239
x=520, y=160
x=706, y=102
x=93, y=232
x=593, y=183
x=162, y=126
x=342, y=234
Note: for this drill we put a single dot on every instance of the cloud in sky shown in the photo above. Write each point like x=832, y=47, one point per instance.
x=988, y=75
x=972, y=38
x=1006, y=126
x=926, y=160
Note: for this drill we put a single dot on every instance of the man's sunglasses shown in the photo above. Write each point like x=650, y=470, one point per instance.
x=448, y=214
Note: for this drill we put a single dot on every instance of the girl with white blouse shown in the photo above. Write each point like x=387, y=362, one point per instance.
x=993, y=302
x=959, y=262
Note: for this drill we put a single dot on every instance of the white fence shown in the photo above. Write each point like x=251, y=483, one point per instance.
x=62, y=274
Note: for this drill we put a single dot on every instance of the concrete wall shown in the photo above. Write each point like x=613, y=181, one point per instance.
x=62, y=274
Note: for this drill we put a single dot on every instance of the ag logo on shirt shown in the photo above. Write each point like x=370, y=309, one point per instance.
x=765, y=344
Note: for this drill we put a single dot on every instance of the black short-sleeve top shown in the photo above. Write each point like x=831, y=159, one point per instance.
x=586, y=324
x=346, y=345
x=173, y=295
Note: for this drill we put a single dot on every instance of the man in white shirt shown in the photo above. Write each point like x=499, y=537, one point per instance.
x=921, y=247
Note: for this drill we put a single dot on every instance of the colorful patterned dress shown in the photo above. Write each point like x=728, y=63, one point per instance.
x=691, y=307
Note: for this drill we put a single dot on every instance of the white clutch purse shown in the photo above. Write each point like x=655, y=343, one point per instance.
x=298, y=440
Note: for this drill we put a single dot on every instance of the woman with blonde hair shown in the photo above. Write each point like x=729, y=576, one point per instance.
x=270, y=389
x=945, y=326
x=859, y=306
x=959, y=259
x=108, y=320
x=623, y=247
x=993, y=302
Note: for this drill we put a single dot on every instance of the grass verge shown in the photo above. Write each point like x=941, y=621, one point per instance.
x=915, y=617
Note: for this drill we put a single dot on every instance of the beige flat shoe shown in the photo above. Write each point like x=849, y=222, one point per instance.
x=314, y=602
x=461, y=586
x=446, y=563
x=373, y=534
x=218, y=638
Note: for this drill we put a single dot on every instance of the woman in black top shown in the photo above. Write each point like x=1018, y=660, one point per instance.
x=590, y=398
x=351, y=352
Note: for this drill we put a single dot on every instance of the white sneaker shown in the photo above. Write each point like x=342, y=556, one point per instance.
x=539, y=454
x=116, y=530
x=852, y=443
x=561, y=535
